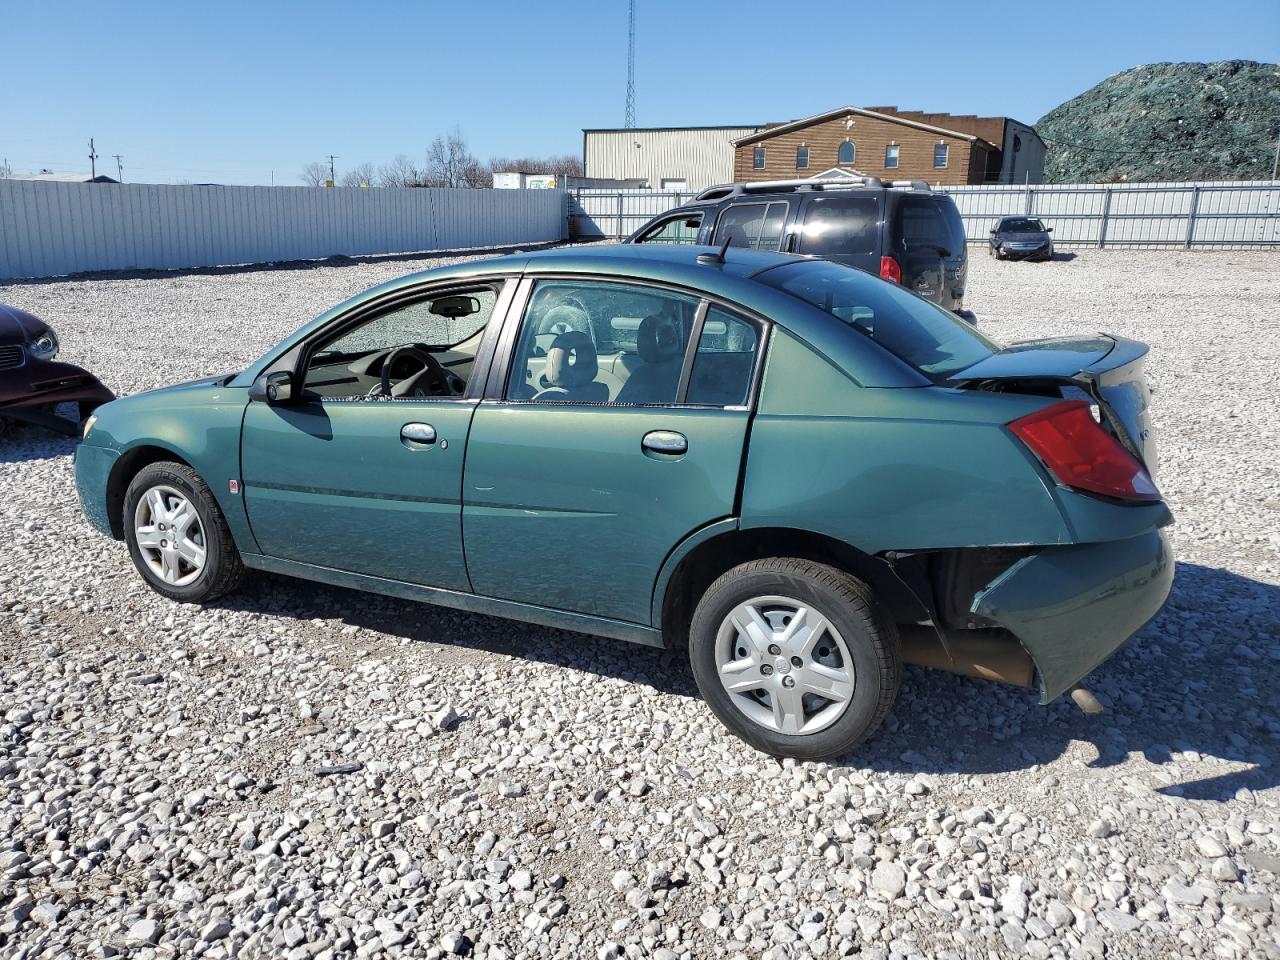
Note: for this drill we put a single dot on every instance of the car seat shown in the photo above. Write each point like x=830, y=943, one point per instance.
x=655, y=379
x=571, y=371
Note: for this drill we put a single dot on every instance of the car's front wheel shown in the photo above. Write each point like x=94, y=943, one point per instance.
x=177, y=536
x=795, y=657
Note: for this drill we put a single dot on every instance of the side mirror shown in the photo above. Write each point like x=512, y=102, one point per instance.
x=274, y=387
x=995, y=230
x=1048, y=229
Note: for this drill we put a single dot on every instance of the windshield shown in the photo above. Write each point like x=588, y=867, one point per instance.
x=932, y=340
x=1022, y=225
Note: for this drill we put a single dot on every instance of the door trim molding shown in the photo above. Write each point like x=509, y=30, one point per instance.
x=457, y=600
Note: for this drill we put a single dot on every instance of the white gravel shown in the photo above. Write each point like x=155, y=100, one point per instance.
x=309, y=772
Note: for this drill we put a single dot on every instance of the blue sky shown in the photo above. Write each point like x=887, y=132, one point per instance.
x=239, y=92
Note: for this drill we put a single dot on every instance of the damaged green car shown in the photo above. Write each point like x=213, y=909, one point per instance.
x=798, y=473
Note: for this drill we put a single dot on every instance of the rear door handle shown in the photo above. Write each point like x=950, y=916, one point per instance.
x=418, y=433
x=665, y=442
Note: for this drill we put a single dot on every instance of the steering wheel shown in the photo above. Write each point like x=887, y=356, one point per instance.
x=430, y=381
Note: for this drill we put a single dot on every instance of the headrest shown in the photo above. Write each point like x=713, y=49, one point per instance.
x=658, y=339
x=571, y=361
x=562, y=317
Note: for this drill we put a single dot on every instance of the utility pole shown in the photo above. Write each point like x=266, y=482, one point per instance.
x=630, y=121
x=333, y=180
x=119, y=168
x=93, y=160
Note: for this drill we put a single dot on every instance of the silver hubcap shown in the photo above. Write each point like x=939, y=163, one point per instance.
x=784, y=665
x=169, y=535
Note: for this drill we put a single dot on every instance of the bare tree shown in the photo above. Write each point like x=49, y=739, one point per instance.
x=314, y=174
x=6, y=170
x=450, y=164
x=400, y=172
x=565, y=165
x=362, y=175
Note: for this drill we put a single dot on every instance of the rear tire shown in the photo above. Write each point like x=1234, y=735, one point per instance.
x=178, y=538
x=795, y=657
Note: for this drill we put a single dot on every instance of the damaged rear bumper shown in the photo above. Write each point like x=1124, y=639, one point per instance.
x=1072, y=607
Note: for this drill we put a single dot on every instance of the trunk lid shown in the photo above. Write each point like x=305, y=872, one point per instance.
x=1108, y=369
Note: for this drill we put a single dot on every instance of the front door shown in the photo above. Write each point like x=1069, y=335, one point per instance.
x=363, y=473
x=611, y=440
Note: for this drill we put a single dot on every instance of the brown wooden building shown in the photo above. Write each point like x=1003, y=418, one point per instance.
x=896, y=145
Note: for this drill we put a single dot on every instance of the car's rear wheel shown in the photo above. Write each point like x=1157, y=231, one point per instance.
x=795, y=657
x=177, y=536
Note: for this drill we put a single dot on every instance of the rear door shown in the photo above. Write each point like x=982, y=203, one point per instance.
x=842, y=228
x=573, y=497
x=923, y=242
x=955, y=267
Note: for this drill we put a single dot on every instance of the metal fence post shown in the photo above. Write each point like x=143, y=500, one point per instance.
x=1106, y=211
x=1030, y=201
x=619, y=233
x=1191, y=217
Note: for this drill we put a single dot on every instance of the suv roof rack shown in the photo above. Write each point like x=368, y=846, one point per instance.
x=720, y=191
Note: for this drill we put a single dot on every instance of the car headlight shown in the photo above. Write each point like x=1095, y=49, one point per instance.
x=89, y=421
x=45, y=346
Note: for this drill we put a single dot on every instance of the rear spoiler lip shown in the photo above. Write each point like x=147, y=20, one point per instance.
x=1118, y=355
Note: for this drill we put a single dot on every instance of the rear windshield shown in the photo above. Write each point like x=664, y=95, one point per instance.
x=932, y=340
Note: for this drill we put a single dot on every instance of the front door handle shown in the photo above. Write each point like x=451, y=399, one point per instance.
x=418, y=433
x=665, y=442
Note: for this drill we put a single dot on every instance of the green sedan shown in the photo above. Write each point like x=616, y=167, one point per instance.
x=797, y=473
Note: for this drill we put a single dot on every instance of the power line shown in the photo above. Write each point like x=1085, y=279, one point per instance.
x=629, y=121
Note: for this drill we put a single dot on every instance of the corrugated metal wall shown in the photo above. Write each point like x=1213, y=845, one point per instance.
x=1209, y=215
x=700, y=156
x=49, y=229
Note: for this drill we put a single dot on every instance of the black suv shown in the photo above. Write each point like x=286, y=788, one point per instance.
x=899, y=230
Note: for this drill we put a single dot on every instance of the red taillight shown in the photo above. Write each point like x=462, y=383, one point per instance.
x=1081, y=454
x=889, y=270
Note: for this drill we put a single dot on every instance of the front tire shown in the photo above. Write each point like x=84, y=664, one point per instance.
x=795, y=657
x=178, y=538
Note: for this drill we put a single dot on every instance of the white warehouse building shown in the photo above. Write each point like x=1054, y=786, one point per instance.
x=665, y=158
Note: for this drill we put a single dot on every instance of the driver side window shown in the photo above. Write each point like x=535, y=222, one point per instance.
x=422, y=349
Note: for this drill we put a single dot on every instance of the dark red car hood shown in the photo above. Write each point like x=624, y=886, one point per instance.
x=17, y=326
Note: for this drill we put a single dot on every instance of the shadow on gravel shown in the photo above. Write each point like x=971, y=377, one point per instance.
x=19, y=444
x=448, y=628
x=1197, y=686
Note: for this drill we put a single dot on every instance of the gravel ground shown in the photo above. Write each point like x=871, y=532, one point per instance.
x=306, y=772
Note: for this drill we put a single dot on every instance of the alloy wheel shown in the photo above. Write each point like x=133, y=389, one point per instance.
x=169, y=535
x=784, y=665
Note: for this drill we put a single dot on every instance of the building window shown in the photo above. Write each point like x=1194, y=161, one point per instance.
x=802, y=158
x=940, y=155
x=891, y=156
x=757, y=158
x=848, y=153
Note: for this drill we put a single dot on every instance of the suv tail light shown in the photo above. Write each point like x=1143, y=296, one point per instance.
x=890, y=270
x=1082, y=455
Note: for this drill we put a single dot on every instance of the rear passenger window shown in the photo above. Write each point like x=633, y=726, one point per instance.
x=920, y=224
x=840, y=226
x=725, y=361
x=757, y=226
